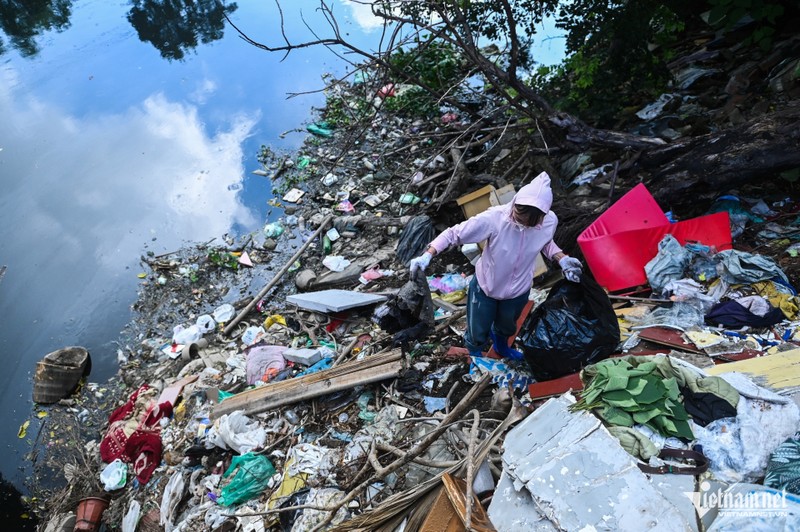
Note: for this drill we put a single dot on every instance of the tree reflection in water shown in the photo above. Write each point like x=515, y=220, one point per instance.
x=175, y=27
x=24, y=20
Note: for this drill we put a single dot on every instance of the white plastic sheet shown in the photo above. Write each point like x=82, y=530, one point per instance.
x=238, y=432
x=131, y=518
x=173, y=493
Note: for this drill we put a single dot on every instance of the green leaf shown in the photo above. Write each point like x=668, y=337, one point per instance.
x=671, y=386
x=683, y=430
x=645, y=416
x=627, y=404
x=615, y=416
x=636, y=385
x=653, y=391
x=616, y=381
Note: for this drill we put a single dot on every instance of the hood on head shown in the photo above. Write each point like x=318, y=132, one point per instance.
x=537, y=193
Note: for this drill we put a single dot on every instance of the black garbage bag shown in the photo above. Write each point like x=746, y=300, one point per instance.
x=414, y=239
x=408, y=314
x=574, y=327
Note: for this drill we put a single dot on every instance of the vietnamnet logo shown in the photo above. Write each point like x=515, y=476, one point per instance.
x=745, y=504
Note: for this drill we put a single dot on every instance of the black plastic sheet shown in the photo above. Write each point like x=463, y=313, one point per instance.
x=414, y=239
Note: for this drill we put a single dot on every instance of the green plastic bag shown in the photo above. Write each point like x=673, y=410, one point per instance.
x=253, y=472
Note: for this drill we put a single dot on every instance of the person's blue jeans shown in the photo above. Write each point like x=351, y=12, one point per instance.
x=486, y=314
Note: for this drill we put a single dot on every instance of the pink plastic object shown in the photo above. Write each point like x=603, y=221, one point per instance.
x=387, y=91
x=619, y=243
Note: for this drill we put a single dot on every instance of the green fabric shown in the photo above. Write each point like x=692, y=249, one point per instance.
x=783, y=470
x=636, y=443
x=646, y=390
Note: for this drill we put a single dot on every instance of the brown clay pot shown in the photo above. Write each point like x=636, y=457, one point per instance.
x=90, y=511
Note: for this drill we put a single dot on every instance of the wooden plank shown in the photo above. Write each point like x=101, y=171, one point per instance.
x=667, y=337
x=344, y=376
x=780, y=371
x=552, y=388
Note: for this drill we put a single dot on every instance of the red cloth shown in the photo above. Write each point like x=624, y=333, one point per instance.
x=134, y=436
x=145, y=447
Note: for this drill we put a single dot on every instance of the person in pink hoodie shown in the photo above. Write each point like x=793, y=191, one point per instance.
x=515, y=233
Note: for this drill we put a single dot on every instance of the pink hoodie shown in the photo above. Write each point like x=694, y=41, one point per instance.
x=505, y=269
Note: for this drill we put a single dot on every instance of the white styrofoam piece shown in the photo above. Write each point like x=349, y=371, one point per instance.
x=333, y=300
x=579, y=476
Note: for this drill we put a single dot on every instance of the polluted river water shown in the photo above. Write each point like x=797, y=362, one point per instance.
x=120, y=136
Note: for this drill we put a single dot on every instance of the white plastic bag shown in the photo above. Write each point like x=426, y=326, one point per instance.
x=224, y=313
x=186, y=335
x=131, y=518
x=114, y=475
x=238, y=432
x=335, y=263
x=206, y=323
x=173, y=493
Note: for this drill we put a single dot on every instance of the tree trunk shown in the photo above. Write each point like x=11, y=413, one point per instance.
x=718, y=161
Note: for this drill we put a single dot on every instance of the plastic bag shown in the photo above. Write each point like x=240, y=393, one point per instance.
x=668, y=265
x=335, y=263
x=131, y=518
x=238, y=432
x=409, y=313
x=206, y=323
x=416, y=236
x=114, y=475
x=574, y=327
x=186, y=335
x=273, y=230
x=224, y=313
x=253, y=473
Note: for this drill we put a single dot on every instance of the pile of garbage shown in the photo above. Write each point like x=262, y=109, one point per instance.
x=301, y=379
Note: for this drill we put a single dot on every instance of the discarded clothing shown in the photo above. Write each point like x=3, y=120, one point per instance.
x=738, y=449
x=133, y=433
x=645, y=389
x=739, y=267
x=733, y=314
x=706, y=407
x=783, y=470
x=668, y=265
x=264, y=362
x=633, y=441
x=778, y=296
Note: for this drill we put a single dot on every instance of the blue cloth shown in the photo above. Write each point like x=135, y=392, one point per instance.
x=486, y=314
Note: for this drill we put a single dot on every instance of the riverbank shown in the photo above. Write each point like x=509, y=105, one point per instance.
x=374, y=174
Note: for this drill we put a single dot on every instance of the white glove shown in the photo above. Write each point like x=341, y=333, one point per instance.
x=571, y=268
x=421, y=262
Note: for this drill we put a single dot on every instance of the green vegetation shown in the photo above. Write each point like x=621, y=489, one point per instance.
x=764, y=13
x=438, y=67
